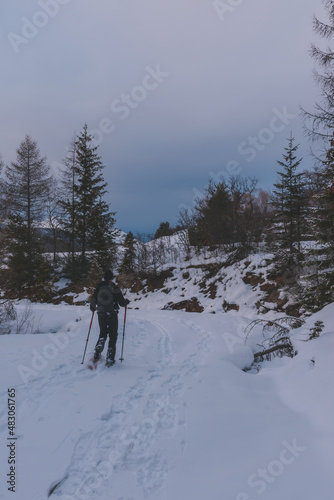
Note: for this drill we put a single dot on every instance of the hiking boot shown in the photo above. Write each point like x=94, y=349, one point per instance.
x=110, y=362
x=96, y=358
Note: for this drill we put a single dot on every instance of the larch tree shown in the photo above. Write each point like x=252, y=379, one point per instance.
x=320, y=122
x=320, y=261
x=54, y=217
x=324, y=209
x=2, y=207
x=27, y=183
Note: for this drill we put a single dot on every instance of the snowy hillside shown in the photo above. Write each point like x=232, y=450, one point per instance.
x=178, y=419
x=210, y=281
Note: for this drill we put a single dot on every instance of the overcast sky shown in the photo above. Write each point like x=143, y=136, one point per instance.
x=174, y=91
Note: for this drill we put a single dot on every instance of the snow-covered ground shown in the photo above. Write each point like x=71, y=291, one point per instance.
x=179, y=419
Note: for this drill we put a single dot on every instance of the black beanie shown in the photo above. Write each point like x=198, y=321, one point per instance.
x=108, y=275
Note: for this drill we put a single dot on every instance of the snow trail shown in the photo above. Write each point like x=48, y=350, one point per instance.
x=142, y=423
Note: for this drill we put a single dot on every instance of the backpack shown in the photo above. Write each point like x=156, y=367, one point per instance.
x=106, y=298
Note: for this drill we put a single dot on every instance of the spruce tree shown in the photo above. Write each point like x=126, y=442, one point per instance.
x=289, y=202
x=68, y=202
x=94, y=223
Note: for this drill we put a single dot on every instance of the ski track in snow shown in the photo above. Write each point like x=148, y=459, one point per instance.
x=120, y=443
x=141, y=424
x=44, y=388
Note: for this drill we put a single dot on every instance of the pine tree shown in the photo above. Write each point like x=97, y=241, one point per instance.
x=289, y=202
x=94, y=223
x=128, y=263
x=27, y=184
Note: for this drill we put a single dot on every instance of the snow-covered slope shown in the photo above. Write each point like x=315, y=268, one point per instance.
x=178, y=419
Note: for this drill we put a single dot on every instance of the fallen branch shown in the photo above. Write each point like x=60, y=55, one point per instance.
x=267, y=353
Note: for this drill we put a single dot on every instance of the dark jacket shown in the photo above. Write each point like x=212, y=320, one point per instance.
x=115, y=292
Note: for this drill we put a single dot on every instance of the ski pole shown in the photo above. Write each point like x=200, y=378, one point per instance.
x=90, y=326
x=121, y=358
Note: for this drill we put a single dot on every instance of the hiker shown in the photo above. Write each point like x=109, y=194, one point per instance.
x=106, y=300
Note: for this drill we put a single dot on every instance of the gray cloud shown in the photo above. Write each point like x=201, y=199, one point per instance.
x=225, y=78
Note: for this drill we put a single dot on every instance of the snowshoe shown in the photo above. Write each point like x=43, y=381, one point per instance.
x=93, y=362
x=110, y=362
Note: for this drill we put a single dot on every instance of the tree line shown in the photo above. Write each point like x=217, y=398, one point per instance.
x=52, y=229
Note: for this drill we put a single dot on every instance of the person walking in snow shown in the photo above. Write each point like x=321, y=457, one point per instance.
x=106, y=300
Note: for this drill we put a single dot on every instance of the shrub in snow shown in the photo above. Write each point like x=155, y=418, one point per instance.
x=316, y=330
x=26, y=320
x=7, y=314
